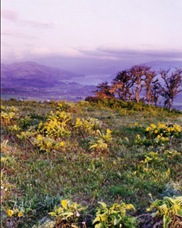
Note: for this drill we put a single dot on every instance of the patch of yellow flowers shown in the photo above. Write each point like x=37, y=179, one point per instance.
x=159, y=133
x=163, y=132
x=57, y=125
x=164, y=128
x=48, y=144
x=14, y=212
x=100, y=143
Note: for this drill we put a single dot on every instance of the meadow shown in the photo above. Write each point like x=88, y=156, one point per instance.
x=90, y=164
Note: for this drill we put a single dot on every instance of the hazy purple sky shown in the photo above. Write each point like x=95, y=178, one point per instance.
x=92, y=29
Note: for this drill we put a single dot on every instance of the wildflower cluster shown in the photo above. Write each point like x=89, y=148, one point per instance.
x=27, y=135
x=168, y=209
x=84, y=126
x=100, y=142
x=157, y=134
x=163, y=132
x=68, y=213
x=15, y=212
x=47, y=144
x=8, y=115
x=15, y=128
x=57, y=125
x=54, y=134
x=114, y=216
x=152, y=157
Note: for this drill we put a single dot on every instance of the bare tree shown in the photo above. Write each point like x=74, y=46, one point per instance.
x=122, y=85
x=172, y=82
x=138, y=75
x=155, y=92
x=149, y=84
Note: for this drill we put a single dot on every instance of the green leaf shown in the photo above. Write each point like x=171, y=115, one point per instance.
x=67, y=214
x=179, y=213
x=97, y=219
x=103, y=204
x=166, y=221
x=116, y=221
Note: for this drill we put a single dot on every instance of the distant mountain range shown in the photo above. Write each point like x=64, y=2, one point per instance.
x=31, y=80
x=31, y=74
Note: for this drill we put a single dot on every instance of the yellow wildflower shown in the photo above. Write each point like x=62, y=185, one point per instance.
x=129, y=206
x=39, y=137
x=108, y=131
x=62, y=144
x=136, y=124
x=177, y=207
x=40, y=124
x=20, y=214
x=49, y=144
x=148, y=129
x=9, y=212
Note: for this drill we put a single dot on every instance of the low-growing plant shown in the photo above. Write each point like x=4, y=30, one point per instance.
x=100, y=142
x=169, y=210
x=68, y=214
x=114, y=216
x=57, y=125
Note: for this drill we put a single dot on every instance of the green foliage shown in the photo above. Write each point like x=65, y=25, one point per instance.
x=114, y=216
x=68, y=214
x=99, y=144
x=168, y=209
x=86, y=152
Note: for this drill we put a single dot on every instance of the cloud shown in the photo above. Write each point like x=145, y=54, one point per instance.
x=118, y=52
x=9, y=15
x=144, y=50
x=36, y=24
x=11, y=33
x=103, y=53
x=43, y=51
x=14, y=17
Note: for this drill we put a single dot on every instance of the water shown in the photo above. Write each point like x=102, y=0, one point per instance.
x=91, y=79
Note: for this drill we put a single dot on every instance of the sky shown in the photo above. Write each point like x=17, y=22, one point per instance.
x=85, y=31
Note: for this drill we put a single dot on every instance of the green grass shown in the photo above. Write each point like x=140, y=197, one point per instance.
x=38, y=181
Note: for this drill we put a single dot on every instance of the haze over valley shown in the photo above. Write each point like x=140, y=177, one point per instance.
x=30, y=80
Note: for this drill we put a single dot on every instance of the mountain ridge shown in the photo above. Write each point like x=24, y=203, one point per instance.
x=33, y=74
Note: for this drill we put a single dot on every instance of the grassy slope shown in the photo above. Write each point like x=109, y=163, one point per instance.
x=40, y=181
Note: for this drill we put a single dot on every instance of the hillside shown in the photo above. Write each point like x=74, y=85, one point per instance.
x=32, y=74
x=29, y=80
x=125, y=157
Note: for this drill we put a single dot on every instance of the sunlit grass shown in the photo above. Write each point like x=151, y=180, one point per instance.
x=38, y=174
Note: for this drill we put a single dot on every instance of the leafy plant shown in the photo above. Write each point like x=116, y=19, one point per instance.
x=68, y=214
x=114, y=216
x=169, y=209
